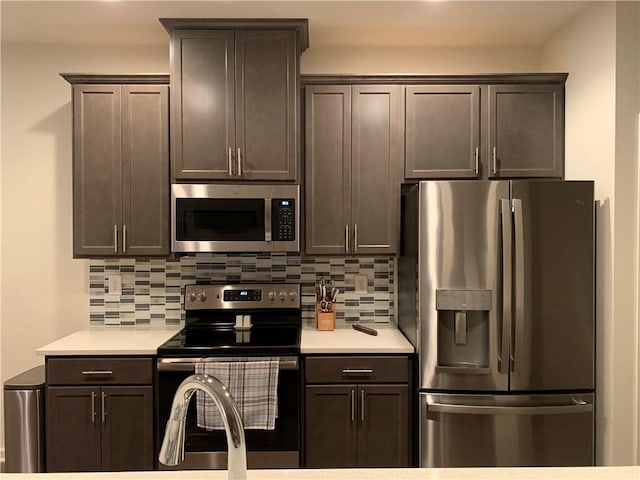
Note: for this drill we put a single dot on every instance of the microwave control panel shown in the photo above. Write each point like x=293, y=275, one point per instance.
x=283, y=219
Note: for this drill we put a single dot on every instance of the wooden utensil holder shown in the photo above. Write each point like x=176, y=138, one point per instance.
x=326, y=320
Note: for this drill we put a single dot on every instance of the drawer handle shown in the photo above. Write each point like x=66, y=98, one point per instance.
x=97, y=372
x=357, y=371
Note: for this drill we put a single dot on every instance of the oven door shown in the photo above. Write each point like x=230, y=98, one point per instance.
x=278, y=448
x=231, y=218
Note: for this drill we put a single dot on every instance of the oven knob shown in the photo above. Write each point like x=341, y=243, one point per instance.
x=272, y=295
x=282, y=295
x=292, y=295
x=192, y=296
x=202, y=296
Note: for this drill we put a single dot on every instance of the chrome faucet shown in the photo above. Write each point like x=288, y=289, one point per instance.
x=172, y=451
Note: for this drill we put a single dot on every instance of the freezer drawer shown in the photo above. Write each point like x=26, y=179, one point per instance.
x=506, y=430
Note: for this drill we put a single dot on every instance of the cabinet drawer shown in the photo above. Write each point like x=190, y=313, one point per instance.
x=357, y=369
x=99, y=371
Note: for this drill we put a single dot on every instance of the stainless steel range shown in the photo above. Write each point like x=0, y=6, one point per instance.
x=241, y=322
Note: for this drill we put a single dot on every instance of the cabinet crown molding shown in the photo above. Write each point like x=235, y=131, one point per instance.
x=479, y=79
x=300, y=25
x=116, y=79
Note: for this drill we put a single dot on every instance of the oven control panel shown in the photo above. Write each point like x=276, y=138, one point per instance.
x=214, y=297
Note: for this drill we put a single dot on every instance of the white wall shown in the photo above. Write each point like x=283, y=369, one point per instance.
x=44, y=291
x=390, y=60
x=598, y=51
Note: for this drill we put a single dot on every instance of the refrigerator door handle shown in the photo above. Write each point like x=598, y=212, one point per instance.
x=518, y=337
x=576, y=407
x=507, y=228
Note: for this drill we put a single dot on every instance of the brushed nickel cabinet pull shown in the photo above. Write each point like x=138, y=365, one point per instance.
x=93, y=407
x=115, y=238
x=239, y=160
x=104, y=407
x=229, y=163
x=353, y=405
x=346, y=237
x=355, y=238
x=494, y=157
x=362, y=405
x=124, y=239
x=357, y=371
x=97, y=372
x=477, y=160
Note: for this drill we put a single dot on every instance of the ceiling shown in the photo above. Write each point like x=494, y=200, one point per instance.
x=444, y=23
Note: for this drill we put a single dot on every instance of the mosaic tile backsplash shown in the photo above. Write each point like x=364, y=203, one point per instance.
x=152, y=289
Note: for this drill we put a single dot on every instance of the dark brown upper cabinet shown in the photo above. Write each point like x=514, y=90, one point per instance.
x=235, y=98
x=526, y=131
x=120, y=165
x=442, y=136
x=353, y=152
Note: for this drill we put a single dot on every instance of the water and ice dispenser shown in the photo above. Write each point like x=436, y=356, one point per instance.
x=463, y=330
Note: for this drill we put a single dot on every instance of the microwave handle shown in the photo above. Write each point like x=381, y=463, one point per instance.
x=267, y=219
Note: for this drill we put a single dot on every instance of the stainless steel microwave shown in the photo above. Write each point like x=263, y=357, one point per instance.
x=235, y=218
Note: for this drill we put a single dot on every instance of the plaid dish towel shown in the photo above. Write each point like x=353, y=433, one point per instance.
x=252, y=384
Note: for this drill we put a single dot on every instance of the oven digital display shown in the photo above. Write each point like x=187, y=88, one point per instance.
x=251, y=295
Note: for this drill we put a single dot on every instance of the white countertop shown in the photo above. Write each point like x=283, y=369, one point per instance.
x=145, y=340
x=567, y=473
x=112, y=340
x=345, y=339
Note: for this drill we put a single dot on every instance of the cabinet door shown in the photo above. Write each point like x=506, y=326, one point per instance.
x=327, y=168
x=266, y=105
x=127, y=428
x=73, y=429
x=383, y=434
x=442, y=131
x=145, y=172
x=526, y=131
x=202, y=99
x=97, y=184
x=331, y=426
x=376, y=157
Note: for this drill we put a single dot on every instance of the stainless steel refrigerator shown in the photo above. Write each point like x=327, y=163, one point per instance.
x=496, y=292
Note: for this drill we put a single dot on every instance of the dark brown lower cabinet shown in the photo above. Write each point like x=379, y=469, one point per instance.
x=356, y=425
x=99, y=414
x=99, y=428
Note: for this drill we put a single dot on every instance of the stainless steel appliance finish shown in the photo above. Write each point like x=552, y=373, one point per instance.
x=235, y=218
x=230, y=323
x=507, y=430
x=24, y=422
x=496, y=292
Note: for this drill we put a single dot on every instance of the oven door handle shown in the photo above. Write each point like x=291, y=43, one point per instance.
x=189, y=364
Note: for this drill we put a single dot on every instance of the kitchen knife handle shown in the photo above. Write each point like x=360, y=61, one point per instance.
x=494, y=161
x=518, y=335
x=346, y=237
x=477, y=161
x=239, y=161
x=507, y=284
x=93, y=407
x=115, y=238
x=353, y=405
x=362, y=405
x=229, y=163
x=124, y=239
x=104, y=407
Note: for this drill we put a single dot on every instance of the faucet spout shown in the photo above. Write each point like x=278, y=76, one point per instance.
x=172, y=450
